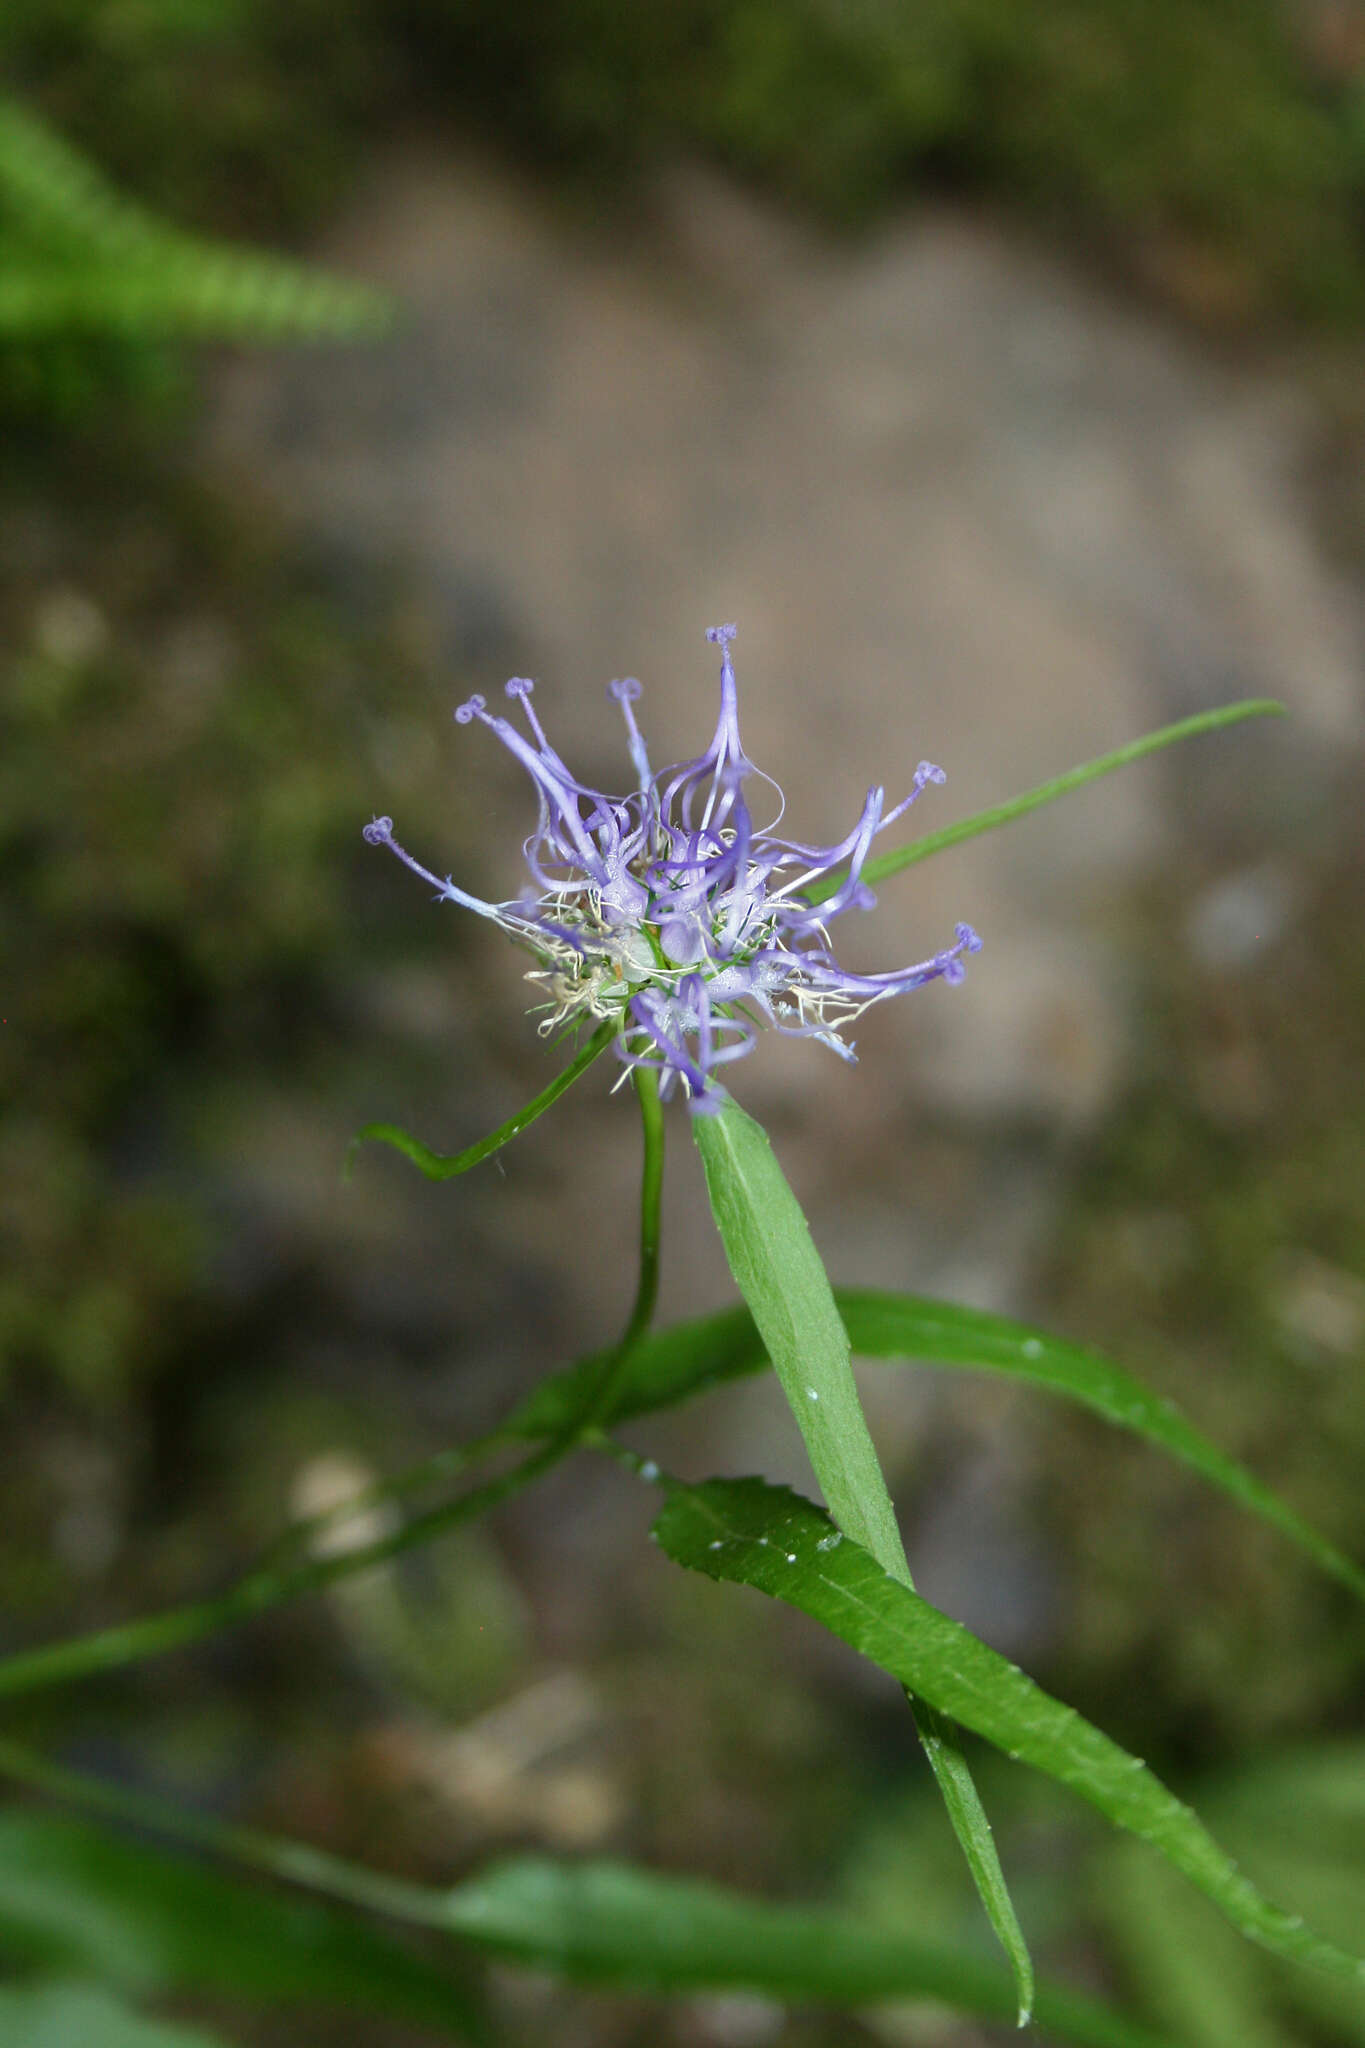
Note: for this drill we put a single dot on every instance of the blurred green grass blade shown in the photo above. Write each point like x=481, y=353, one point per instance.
x=1193, y=1970
x=1310, y=1799
x=674, y=1364
x=597, y=1922
x=609, y=1923
x=1333, y=1895
x=1302, y=1815
x=79, y=1900
x=783, y=1280
x=84, y=2016
x=445, y=1165
x=885, y=864
x=748, y=1533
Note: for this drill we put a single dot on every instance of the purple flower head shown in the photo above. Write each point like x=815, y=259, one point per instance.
x=668, y=915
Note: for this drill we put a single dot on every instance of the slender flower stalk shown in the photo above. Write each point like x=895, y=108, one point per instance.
x=666, y=914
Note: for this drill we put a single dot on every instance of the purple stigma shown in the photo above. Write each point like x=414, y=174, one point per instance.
x=379, y=831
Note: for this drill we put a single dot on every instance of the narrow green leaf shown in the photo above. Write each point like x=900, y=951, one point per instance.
x=674, y=1364
x=878, y=869
x=83, y=2016
x=765, y=1536
x=83, y=1901
x=608, y=1923
x=780, y=1275
x=901, y=1325
x=445, y=1165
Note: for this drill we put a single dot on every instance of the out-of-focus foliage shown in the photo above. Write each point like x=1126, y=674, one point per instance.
x=179, y=790
x=1217, y=1234
x=86, y=1904
x=77, y=254
x=55, y=2015
x=234, y=115
x=1214, y=147
x=1217, y=152
x=79, y=264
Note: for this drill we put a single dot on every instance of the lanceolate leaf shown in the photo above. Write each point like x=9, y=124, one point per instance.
x=781, y=1276
x=687, y=1359
x=894, y=1325
x=768, y=1537
x=608, y=1923
x=445, y=1165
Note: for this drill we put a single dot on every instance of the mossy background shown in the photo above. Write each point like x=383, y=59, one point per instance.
x=206, y=982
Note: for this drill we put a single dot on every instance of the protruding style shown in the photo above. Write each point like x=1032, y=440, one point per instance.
x=666, y=913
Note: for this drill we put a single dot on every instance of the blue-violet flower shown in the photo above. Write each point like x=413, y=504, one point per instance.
x=668, y=915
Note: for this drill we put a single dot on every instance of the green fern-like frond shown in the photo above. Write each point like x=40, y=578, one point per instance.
x=76, y=257
x=60, y=199
x=190, y=291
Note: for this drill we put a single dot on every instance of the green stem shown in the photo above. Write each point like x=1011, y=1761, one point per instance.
x=268, y=1587
x=293, y=1862
x=278, y=1581
x=616, y=1365
x=446, y=1165
x=450, y=1463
